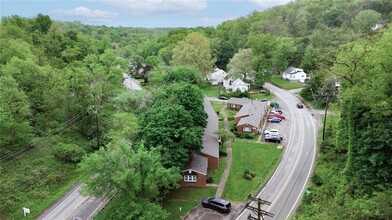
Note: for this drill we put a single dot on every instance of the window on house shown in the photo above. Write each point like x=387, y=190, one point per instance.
x=232, y=105
x=246, y=129
x=190, y=178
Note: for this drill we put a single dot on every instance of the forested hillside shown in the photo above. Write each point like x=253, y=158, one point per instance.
x=61, y=100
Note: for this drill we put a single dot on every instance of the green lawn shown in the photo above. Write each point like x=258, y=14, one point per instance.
x=277, y=80
x=186, y=198
x=217, y=105
x=216, y=174
x=231, y=113
x=259, y=158
x=210, y=90
x=261, y=96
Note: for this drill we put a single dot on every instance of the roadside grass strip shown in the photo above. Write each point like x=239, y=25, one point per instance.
x=285, y=84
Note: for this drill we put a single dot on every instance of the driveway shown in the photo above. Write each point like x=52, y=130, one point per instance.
x=201, y=213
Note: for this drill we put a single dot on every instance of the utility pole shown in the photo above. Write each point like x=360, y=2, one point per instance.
x=258, y=211
x=325, y=112
x=96, y=108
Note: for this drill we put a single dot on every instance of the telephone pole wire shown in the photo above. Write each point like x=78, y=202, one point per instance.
x=258, y=211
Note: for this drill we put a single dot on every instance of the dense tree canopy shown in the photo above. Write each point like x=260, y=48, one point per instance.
x=194, y=51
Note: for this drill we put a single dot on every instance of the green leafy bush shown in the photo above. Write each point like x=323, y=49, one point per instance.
x=244, y=136
x=249, y=175
x=240, y=94
x=69, y=153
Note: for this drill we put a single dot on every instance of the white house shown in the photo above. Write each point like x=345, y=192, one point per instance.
x=295, y=74
x=217, y=76
x=235, y=85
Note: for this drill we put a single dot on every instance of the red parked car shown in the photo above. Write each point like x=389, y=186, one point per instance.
x=253, y=92
x=276, y=116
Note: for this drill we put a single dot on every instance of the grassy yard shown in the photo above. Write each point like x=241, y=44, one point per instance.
x=261, y=96
x=231, y=113
x=259, y=158
x=277, y=80
x=216, y=174
x=217, y=105
x=186, y=198
x=210, y=90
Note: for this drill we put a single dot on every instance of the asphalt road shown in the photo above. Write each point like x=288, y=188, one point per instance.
x=73, y=206
x=287, y=185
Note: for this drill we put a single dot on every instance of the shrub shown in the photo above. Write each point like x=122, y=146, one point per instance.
x=267, y=92
x=69, y=153
x=274, y=104
x=222, y=153
x=244, y=136
x=209, y=179
x=240, y=94
x=249, y=175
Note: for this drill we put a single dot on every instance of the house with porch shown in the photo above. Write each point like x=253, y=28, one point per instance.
x=195, y=171
x=295, y=74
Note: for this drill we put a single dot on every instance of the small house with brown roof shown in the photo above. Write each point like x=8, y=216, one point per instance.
x=195, y=171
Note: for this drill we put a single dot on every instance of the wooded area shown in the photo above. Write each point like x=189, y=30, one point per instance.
x=63, y=108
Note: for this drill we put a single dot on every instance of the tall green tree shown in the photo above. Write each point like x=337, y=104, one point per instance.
x=15, y=113
x=169, y=127
x=191, y=98
x=241, y=65
x=133, y=173
x=194, y=51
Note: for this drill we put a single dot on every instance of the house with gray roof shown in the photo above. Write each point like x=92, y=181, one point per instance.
x=237, y=103
x=249, y=117
x=295, y=74
x=195, y=171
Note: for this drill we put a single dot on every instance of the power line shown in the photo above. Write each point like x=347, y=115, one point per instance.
x=20, y=152
x=258, y=211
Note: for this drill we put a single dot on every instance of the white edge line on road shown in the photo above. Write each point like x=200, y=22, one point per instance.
x=96, y=209
x=279, y=166
x=73, y=210
x=76, y=190
x=293, y=169
x=310, y=170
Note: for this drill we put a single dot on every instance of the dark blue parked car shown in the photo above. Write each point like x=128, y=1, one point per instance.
x=274, y=120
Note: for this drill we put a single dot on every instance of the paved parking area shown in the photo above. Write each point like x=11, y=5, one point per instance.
x=200, y=213
x=283, y=126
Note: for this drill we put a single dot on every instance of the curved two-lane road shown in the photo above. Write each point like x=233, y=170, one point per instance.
x=287, y=185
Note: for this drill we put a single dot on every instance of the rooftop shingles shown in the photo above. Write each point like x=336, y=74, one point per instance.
x=198, y=163
x=254, y=112
x=210, y=140
x=239, y=101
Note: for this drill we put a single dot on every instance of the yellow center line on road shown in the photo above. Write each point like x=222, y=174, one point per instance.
x=293, y=169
